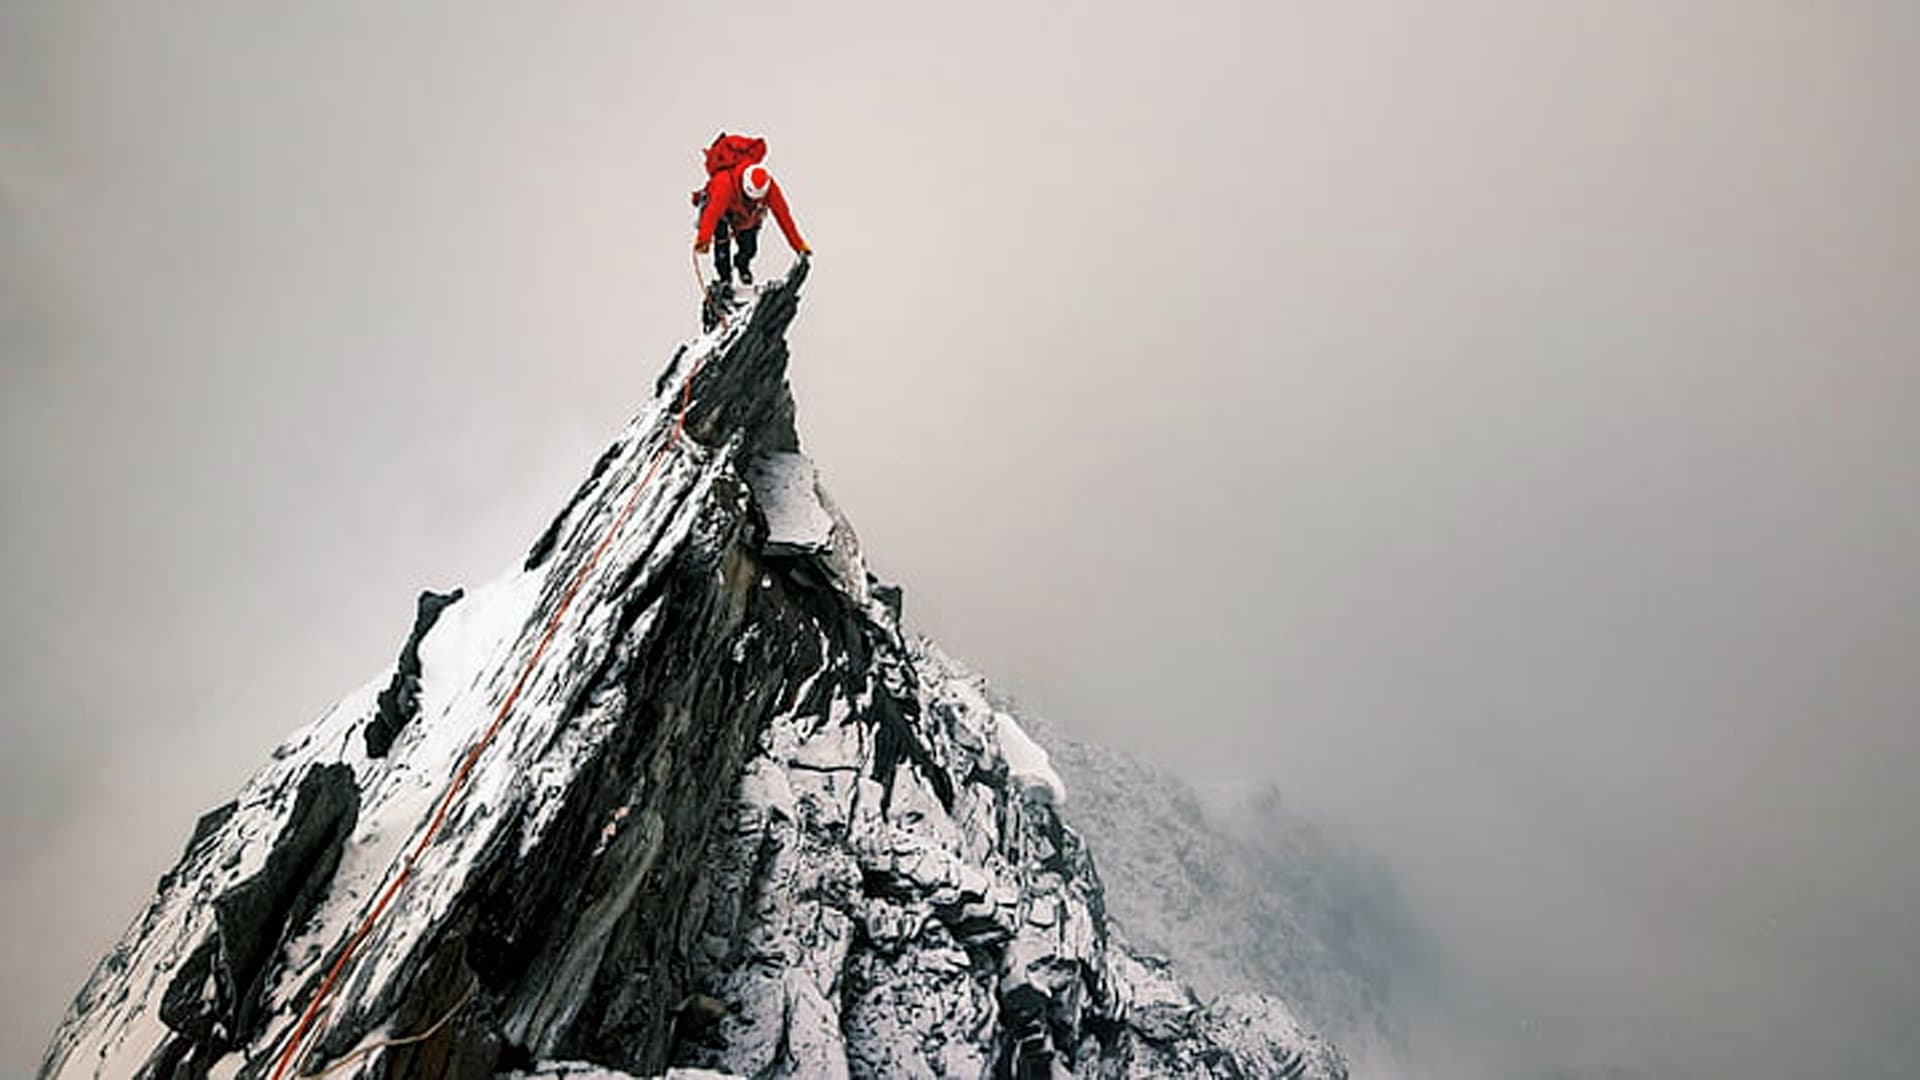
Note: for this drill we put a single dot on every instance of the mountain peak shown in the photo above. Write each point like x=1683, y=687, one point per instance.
x=676, y=792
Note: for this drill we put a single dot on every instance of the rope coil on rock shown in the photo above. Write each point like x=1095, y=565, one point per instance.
x=385, y=1044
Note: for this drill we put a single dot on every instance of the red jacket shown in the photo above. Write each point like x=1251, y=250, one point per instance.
x=724, y=196
x=725, y=158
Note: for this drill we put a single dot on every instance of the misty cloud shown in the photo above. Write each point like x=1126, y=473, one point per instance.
x=1497, y=425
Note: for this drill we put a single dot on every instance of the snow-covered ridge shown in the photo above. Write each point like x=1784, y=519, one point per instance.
x=477, y=649
x=733, y=819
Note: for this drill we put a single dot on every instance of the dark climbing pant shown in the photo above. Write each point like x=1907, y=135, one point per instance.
x=749, y=247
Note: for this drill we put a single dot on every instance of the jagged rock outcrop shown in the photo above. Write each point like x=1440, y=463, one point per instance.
x=213, y=1000
x=400, y=701
x=713, y=809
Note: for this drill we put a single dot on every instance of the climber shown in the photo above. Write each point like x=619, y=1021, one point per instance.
x=738, y=193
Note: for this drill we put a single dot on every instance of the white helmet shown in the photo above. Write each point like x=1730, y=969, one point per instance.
x=755, y=180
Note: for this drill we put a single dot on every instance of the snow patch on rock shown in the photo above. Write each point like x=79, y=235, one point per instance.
x=785, y=487
x=580, y=1070
x=1026, y=761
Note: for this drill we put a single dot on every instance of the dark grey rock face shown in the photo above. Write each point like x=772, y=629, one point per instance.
x=715, y=809
x=214, y=1001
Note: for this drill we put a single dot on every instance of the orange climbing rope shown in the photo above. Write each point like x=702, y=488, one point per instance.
x=305, y=1025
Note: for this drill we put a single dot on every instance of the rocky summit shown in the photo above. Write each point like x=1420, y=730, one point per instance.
x=675, y=796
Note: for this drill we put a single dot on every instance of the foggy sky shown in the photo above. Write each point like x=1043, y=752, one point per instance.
x=1498, y=421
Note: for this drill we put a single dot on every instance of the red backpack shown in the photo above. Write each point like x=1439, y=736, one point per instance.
x=733, y=151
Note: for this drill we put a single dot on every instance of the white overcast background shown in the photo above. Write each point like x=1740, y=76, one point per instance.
x=1498, y=421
